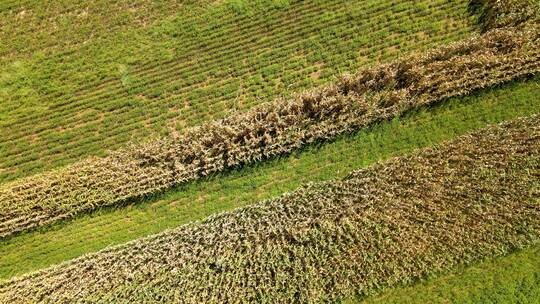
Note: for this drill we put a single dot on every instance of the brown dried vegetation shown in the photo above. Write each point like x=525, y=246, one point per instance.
x=459, y=202
x=498, y=14
x=272, y=129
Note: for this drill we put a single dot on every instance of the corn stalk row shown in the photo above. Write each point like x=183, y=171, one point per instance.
x=459, y=202
x=498, y=14
x=353, y=102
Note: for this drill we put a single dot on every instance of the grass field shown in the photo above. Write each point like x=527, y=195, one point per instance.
x=227, y=191
x=81, y=79
x=69, y=97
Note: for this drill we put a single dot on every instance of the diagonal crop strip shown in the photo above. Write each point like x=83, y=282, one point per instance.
x=469, y=198
x=498, y=14
x=355, y=101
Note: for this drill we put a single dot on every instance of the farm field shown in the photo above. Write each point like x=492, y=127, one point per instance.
x=227, y=191
x=271, y=129
x=66, y=97
x=270, y=151
x=355, y=234
x=510, y=279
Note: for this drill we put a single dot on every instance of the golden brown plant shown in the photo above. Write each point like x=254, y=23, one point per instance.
x=458, y=202
x=353, y=102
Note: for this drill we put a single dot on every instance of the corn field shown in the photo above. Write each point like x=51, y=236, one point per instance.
x=353, y=102
x=498, y=14
x=393, y=222
x=90, y=94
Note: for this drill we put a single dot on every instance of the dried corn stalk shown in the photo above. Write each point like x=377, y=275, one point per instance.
x=502, y=13
x=271, y=129
x=458, y=202
x=280, y=127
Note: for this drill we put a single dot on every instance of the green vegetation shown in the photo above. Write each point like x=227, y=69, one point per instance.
x=280, y=127
x=227, y=191
x=411, y=216
x=511, y=279
x=62, y=100
x=80, y=78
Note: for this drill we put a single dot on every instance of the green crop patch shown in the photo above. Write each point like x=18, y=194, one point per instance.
x=145, y=71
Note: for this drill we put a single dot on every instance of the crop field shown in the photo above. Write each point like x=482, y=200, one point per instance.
x=336, y=236
x=269, y=130
x=67, y=96
x=270, y=151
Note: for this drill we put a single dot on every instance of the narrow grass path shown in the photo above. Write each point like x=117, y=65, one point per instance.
x=511, y=279
x=227, y=191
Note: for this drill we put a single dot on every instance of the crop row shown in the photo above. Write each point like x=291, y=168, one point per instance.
x=244, y=65
x=205, y=51
x=232, y=189
x=355, y=101
x=384, y=225
x=498, y=14
x=107, y=97
x=111, y=92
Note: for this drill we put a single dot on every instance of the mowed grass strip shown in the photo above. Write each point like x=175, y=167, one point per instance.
x=514, y=278
x=198, y=65
x=222, y=192
x=455, y=203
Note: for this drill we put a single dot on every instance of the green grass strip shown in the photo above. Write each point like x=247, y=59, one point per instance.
x=511, y=279
x=230, y=190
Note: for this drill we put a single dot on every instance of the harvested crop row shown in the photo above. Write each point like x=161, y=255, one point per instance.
x=271, y=129
x=473, y=197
